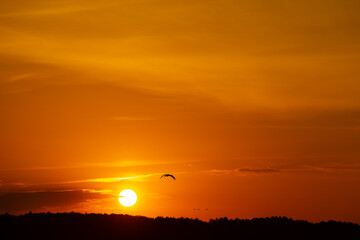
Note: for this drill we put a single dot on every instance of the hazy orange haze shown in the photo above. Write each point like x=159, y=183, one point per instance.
x=253, y=105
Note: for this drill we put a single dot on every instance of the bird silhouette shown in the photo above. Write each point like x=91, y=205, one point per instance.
x=168, y=175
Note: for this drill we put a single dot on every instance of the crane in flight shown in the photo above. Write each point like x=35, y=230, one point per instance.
x=168, y=175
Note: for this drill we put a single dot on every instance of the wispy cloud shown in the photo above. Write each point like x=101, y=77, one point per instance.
x=112, y=179
x=9, y=186
x=332, y=166
x=246, y=171
x=130, y=118
x=20, y=77
x=329, y=167
x=259, y=170
x=107, y=179
x=39, y=11
x=136, y=177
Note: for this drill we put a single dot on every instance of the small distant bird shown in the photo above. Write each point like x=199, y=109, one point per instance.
x=168, y=175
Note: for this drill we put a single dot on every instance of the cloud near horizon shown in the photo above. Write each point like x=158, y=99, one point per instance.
x=41, y=200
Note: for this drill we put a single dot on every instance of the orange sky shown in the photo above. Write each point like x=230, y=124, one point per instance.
x=253, y=105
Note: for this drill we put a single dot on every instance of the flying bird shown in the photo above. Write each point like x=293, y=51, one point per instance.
x=168, y=175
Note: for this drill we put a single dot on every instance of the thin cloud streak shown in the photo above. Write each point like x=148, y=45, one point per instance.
x=131, y=118
x=35, y=186
x=58, y=10
x=107, y=180
x=258, y=170
x=301, y=168
x=246, y=171
x=125, y=163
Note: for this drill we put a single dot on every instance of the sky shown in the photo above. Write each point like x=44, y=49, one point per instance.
x=254, y=106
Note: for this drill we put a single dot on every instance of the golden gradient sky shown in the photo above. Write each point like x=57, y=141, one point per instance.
x=253, y=105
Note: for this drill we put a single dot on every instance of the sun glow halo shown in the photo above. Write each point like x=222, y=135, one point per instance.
x=127, y=198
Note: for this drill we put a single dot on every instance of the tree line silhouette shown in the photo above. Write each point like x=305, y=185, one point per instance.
x=116, y=226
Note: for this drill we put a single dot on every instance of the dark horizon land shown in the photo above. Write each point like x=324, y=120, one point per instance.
x=117, y=226
x=187, y=109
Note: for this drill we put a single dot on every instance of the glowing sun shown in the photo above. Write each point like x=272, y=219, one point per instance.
x=127, y=197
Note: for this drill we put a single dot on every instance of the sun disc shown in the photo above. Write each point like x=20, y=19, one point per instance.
x=127, y=198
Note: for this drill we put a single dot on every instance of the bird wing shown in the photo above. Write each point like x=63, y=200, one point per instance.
x=168, y=175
